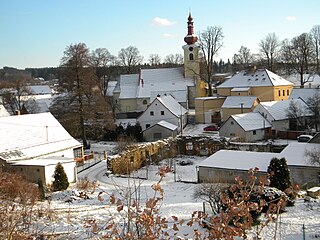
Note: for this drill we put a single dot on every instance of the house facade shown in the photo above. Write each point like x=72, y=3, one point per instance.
x=247, y=127
x=164, y=108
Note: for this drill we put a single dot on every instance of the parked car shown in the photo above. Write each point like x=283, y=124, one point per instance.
x=212, y=127
x=304, y=138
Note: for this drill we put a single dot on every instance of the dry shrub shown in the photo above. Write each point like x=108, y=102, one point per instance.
x=86, y=185
x=17, y=199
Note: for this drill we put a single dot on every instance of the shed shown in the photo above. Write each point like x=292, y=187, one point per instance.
x=160, y=130
x=43, y=168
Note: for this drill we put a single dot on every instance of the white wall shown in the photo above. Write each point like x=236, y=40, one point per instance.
x=157, y=107
x=69, y=168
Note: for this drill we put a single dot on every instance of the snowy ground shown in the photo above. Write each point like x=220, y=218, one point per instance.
x=75, y=218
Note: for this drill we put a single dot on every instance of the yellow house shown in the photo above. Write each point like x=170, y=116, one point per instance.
x=265, y=85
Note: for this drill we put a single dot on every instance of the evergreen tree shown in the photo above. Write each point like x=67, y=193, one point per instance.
x=60, y=179
x=279, y=174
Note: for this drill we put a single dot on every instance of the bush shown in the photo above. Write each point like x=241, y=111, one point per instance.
x=60, y=179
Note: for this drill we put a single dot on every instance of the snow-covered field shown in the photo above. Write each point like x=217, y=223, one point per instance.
x=74, y=217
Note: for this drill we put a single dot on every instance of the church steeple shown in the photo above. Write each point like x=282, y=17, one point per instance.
x=191, y=38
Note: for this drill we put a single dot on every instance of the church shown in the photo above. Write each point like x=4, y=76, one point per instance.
x=133, y=93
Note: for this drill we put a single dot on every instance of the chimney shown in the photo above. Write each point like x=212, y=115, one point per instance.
x=251, y=68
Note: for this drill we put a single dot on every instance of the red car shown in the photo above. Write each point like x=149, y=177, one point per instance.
x=211, y=128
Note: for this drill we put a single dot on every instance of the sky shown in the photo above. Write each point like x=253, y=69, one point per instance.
x=35, y=33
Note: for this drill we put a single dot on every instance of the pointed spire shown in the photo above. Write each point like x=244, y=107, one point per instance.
x=191, y=38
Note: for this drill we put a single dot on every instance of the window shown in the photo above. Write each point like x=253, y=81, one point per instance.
x=254, y=132
x=288, y=92
x=162, y=113
x=145, y=102
x=279, y=93
x=38, y=169
x=283, y=92
x=151, y=113
x=231, y=122
x=191, y=56
x=77, y=152
x=147, y=125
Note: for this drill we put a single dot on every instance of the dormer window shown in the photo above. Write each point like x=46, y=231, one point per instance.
x=145, y=102
x=191, y=56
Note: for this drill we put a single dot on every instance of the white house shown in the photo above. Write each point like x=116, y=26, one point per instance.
x=164, y=108
x=276, y=112
x=249, y=127
x=35, y=140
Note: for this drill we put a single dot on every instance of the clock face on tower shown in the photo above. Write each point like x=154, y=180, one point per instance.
x=190, y=49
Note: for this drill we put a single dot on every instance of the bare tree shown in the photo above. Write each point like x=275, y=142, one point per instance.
x=298, y=54
x=210, y=193
x=210, y=42
x=314, y=106
x=101, y=59
x=243, y=58
x=154, y=59
x=315, y=36
x=76, y=78
x=173, y=59
x=129, y=58
x=313, y=156
x=270, y=49
x=295, y=113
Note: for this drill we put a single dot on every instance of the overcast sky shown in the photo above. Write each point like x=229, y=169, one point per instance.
x=34, y=33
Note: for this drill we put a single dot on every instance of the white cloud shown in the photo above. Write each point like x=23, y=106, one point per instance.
x=167, y=35
x=290, y=18
x=157, y=21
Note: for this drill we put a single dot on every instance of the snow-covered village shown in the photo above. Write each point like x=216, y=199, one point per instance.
x=192, y=145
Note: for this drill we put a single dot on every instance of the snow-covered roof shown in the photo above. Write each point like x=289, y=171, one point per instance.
x=172, y=105
x=312, y=80
x=151, y=82
x=39, y=89
x=304, y=93
x=258, y=78
x=295, y=153
x=251, y=121
x=240, y=160
x=128, y=85
x=111, y=87
x=44, y=161
x=278, y=109
x=166, y=124
x=239, y=102
x=210, y=98
x=32, y=135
